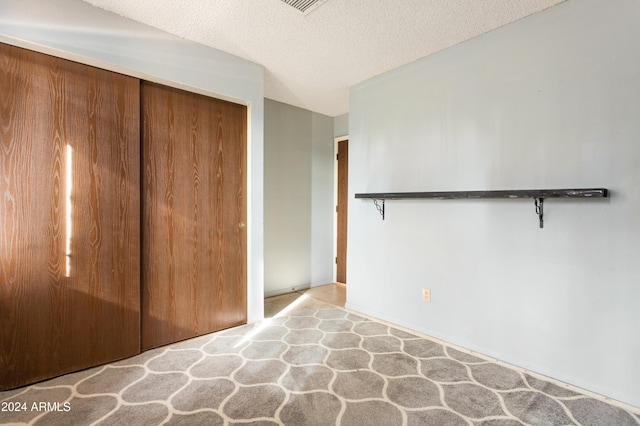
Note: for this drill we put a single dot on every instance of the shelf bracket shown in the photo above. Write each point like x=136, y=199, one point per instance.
x=539, y=203
x=379, y=207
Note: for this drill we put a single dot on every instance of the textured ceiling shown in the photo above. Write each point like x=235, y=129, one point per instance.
x=311, y=59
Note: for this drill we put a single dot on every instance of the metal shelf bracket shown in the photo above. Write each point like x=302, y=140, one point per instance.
x=379, y=207
x=539, y=203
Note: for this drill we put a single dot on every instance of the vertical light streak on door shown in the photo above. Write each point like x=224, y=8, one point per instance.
x=68, y=208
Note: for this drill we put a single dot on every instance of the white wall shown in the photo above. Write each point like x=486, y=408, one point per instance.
x=322, y=200
x=298, y=198
x=341, y=125
x=77, y=31
x=550, y=101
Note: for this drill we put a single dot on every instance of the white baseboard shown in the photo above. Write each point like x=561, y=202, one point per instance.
x=286, y=290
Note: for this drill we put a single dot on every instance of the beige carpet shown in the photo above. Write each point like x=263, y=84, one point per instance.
x=314, y=365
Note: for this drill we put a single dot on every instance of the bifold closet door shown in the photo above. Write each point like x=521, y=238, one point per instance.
x=69, y=216
x=194, y=215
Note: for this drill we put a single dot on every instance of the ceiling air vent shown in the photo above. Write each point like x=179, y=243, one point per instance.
x=304, y=6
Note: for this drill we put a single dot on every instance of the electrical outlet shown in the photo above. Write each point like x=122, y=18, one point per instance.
x=426, y=295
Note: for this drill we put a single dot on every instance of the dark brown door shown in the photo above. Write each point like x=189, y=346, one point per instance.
x=69, y=216
x=343, y=196
x=194, y=215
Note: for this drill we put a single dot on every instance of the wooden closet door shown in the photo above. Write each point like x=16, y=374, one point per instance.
x=194, y=215
x=69, y=216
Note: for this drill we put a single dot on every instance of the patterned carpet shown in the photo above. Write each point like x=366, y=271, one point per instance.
x=315, y=365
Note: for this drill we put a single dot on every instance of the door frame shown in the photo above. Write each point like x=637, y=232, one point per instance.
x=336, y=140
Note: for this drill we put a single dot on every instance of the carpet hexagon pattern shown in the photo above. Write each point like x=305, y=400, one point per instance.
x=316, y=365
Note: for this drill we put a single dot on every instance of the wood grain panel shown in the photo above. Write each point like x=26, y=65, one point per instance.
x=194, y=210
x=343, y=207
x=70, y=216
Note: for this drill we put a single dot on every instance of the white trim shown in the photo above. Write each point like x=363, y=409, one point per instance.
x=278, y=292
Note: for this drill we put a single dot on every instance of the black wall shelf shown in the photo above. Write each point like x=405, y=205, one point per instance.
x=538, y=196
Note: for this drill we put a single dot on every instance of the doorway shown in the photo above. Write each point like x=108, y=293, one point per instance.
x=342, y=191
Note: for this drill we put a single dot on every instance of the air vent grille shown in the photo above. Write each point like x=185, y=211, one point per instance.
x=304, y=5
